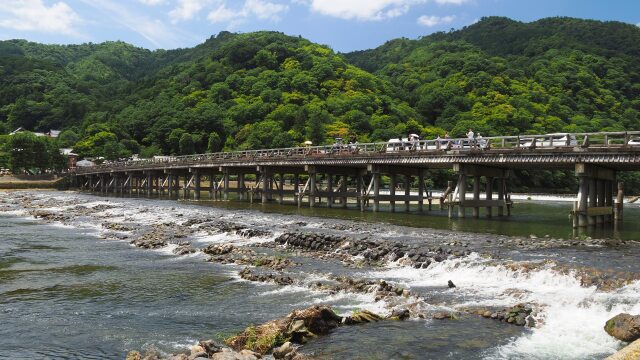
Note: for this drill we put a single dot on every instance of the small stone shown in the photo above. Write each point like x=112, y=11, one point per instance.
x=451, y=284
x=281, y=351
x=400, y=314
x=441, y=316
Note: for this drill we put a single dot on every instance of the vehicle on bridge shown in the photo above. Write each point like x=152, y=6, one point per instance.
x=409, y=143
x=550, y=140
x=634, y=142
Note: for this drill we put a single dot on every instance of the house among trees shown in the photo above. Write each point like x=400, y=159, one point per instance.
x=72, y=158
x=51, y=133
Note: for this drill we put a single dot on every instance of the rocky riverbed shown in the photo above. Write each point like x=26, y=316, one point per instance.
x=424, y=276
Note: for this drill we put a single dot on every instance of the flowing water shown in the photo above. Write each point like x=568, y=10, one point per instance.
x=79, y=290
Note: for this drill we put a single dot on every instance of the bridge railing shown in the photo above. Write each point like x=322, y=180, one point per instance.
x=398, y=148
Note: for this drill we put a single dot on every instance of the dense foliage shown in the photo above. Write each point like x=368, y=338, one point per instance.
x=505, y=77
x=27, y=153
x=265, y=89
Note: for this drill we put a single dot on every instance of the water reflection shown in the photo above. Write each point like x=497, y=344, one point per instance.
x=538, y=218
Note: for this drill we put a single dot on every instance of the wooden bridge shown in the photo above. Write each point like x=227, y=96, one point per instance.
x=356, y=175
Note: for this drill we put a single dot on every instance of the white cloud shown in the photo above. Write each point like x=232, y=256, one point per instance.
x=187, y=9
x=152, y=2
x=34, y=15
x=154, y=31
x=222, y=14
x=426, y=20
x=363, y=9
x=368, y=10
x=454, y=2
x=260, y=9
x=264, y=10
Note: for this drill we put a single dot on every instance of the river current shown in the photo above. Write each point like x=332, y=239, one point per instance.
x=77, y=289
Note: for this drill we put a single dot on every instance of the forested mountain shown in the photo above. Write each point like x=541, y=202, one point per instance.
x=266, y=89
x=500, y=76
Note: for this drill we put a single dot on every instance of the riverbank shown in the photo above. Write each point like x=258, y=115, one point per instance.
x=274, y=264
x=8, y=182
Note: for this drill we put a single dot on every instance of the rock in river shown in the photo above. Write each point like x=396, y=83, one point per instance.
x=624, y=327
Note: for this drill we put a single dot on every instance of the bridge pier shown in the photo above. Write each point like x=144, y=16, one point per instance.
x=196, y=184
x=594, y=205
x=490, y=175
x=225, y=183
x=376, y=191
x=240, y=186
x=312, y=185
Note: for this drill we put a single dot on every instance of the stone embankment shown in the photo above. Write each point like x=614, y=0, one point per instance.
x=374, y=252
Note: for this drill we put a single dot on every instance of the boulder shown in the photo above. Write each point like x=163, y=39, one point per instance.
x=624, y=327
x=133, y=355
x=298, y=327
x=361, y=317
x=451, y=284
x=442, y=316
x=399, y=314
x=630, y=352
x=151, y=354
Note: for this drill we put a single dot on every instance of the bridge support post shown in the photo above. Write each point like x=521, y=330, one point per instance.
x=583, y=197
x=600, y=185
x=343, y=190
x=501, y=185
x=186, y=188
x=212, y=185
x=376, y=191
x=421, y=191
x=169, y=184
x=330, y=198
x=407, y=193
x=196, y=184
x=281, y=188
x=489, y=195
x=103, y=184
x=296, y=185
x=265, y=183
x=593, y=200
x=594, y=203
x=122, y=183
x=618, y=214
x=312, y=186
x=392, y=192
x=359, y=190
x=240, y=186
x=490, y=174
x=462, y=193
x=225, y=183
x=608, y=199
x=149, y=184
x=476, y=195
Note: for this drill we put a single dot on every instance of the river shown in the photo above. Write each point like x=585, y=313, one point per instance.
x=73, y=287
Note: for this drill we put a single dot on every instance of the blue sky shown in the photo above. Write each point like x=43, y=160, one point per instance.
x=345, y=25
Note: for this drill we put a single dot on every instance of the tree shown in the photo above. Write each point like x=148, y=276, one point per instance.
x=187, y=145
x=215, y=143
x=28, y=152
x=68, y=138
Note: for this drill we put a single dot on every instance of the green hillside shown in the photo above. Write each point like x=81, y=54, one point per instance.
x=500, y=76
x=266, y=89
